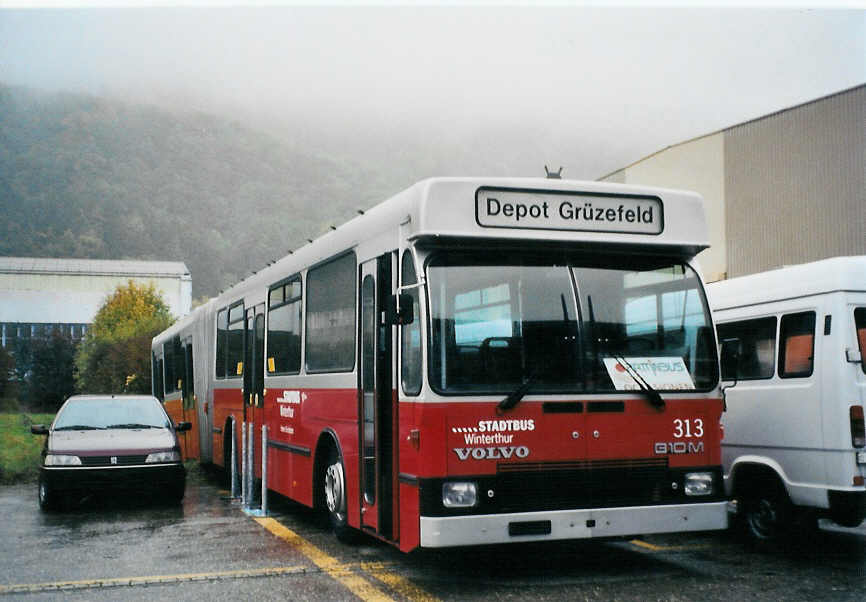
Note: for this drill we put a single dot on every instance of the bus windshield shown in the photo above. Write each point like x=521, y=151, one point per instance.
x=573, y=324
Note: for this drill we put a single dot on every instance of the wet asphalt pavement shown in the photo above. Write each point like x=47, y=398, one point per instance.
x=109, y=548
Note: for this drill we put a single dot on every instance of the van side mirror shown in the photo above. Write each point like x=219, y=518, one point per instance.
x=730, y=358
x=38, y=429
x=399, y=310
x=182, y=426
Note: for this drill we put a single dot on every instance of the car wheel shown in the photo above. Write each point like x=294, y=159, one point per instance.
x=334, y=485
x=176, y=492
x=49, y=499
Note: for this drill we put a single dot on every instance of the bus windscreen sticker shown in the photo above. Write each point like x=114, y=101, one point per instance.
x=662, y=373
x=496, y=208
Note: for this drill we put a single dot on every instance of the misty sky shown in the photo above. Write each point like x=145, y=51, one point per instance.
x=589, y=88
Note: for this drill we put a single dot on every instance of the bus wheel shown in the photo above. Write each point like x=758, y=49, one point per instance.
x=334, y=484
x=766, y=513
x=227, y=457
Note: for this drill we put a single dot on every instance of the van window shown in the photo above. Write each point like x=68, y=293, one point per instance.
x=757, y=348
x=860, y=325
x=797, y=341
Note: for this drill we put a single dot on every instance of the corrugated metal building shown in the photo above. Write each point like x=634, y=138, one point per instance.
x=39, y=294
x=782, y=189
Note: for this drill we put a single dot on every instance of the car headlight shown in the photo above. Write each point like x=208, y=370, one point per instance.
x=699, y=483
x=62, y=460
x=163, y=456
x=459, y=495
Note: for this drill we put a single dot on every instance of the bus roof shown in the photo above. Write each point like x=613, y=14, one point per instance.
x=817, y=277
x=567, y=211
x=475, y=208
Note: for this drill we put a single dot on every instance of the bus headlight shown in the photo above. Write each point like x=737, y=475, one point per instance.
x=459, y=495
x=698, y=483
x=62, y=460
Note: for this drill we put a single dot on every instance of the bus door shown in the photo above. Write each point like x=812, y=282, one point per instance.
x=254, y=374
x=189, y=402
x=378, y=410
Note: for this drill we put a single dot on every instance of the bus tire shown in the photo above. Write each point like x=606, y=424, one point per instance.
x=333, y=486
x=765, y=511
x=227, y=457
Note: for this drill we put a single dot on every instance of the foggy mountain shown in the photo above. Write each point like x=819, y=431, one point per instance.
x=89, y=177
x=92, y=178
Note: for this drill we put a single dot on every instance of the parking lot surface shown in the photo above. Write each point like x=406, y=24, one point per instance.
x=111, y=548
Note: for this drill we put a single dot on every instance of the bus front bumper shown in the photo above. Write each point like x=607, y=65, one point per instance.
x=440, y=532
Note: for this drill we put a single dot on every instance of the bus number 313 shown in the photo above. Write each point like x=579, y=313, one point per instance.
x=688, y=428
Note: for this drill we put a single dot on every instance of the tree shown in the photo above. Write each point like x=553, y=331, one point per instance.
x=7, y=367
x=114, y=356
x=49, y=378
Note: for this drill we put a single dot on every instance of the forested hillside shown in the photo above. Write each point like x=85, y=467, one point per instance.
x=92, y=178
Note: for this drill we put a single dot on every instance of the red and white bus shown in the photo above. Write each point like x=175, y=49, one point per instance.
x=473, y=361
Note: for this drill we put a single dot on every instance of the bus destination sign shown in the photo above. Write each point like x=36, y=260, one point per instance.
x=549, y=210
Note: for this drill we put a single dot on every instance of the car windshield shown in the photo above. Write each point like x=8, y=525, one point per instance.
x=573, y=324
x=111, y=412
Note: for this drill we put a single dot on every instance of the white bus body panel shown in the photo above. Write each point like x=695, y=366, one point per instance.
x=437, y=532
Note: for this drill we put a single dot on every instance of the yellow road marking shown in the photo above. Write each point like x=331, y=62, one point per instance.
x=399, y=584
x=646, y=545
x=340, y=572
x=152, y=580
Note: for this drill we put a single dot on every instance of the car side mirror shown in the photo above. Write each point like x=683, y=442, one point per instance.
x=399, y=310
x=180, y=427
x=730, y=358
x=38, y=429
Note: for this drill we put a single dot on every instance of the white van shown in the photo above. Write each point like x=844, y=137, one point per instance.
x=792, y=347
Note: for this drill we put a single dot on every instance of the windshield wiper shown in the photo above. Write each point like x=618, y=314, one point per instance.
x=78, y=427
x=652, y=395
x=515, y=396
x=131, y=425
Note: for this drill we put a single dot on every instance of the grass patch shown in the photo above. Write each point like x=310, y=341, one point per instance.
x=19, y=449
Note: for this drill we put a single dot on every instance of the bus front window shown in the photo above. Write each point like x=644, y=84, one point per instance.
x=498, y=324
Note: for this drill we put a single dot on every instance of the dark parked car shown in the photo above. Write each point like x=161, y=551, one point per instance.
x=99, y=442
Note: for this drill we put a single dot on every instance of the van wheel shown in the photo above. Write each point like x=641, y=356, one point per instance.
x=334, y=486
x=766, y=514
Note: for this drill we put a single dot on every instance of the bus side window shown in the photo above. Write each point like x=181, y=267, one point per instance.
x=797, y=341
x=222, y=325
x=410, y=334
x=284, y=328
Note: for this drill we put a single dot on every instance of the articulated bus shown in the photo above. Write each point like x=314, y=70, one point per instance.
x=473, y=361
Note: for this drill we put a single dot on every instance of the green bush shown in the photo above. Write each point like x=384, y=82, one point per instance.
x=9, y=405
x=19, y=449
